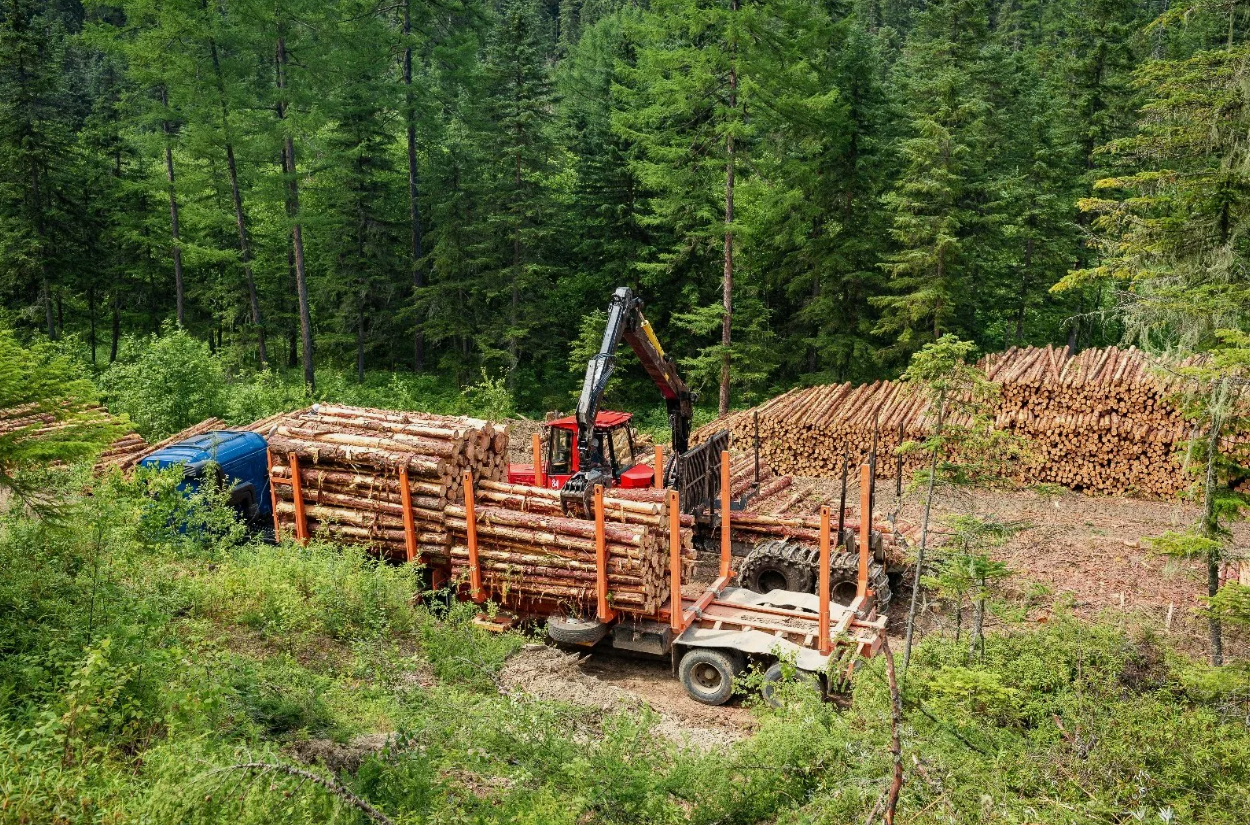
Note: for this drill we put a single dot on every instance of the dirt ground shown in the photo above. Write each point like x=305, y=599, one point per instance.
x=1092, y=552
x=609, y=681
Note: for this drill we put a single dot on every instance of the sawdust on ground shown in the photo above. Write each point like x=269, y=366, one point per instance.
x=608, y=682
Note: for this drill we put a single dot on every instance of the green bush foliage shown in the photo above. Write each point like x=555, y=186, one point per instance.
x=165, y=383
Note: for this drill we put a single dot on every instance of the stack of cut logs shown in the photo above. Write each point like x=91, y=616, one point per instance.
x=350, y=460
x=1101, y=420
x=808, y=431
x=527, y=548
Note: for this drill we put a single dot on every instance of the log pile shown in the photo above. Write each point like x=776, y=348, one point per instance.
x=1102, y=420
x=808, y=431
x=123, y=450
x=527, y=549
x=350, y=460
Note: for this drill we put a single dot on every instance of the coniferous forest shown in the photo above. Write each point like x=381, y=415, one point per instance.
x=215, y=211
x=802, y=190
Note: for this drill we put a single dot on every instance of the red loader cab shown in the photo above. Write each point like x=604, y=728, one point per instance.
x=613, y=439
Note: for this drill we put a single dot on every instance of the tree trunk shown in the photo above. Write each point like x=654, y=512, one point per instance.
x=1024, y=291
x=117, y=329
x=297, y=233
x=414, y=208
x=924, y=538
x=91, y=320
x=45, y=281
x=240, y=219
x=514, y=351
x=360, y=344
x=1210, y=520
x=179, y=296
x=728, y=276
x=978, y=620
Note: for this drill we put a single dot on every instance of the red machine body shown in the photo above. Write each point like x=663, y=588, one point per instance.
x=613, y=440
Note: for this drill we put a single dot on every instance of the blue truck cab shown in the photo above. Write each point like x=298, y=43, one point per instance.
x=237, y=458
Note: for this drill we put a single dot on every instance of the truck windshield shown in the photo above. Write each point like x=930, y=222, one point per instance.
x=622, y=449
x=561, y=453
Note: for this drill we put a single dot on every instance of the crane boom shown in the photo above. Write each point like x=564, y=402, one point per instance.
x=626, y=322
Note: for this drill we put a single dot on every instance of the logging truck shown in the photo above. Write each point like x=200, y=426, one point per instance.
x=597, y=446
x=710, y=635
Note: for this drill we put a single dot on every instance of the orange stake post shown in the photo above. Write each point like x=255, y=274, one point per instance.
x=865, y=530
x=676, y=618
x=605, y=613
x=726, y=551
x=470, y=518
x=540, y=477
x=826, y=644
x=659, y=467
x=410, y=527
x=273, y=497
x=297, y=491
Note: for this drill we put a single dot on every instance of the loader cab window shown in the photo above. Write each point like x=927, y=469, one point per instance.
x=622, y=449
x=560, y=452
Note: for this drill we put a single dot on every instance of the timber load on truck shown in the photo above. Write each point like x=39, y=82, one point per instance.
x=389, y=481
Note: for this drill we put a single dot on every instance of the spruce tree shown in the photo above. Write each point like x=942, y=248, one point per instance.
x=934, y=202
x=36, y=161
x=515, y=123
x=684, y=104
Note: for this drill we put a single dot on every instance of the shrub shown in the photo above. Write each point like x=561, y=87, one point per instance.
x=253, y=396
x=165, y=383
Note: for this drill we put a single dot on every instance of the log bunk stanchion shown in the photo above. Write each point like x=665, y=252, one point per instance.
x=605, y=612
x=296, y=483
x=410, y=527
x=273, y=497
x=676, y=617
x=826, y=642
x=470, y=521
x=540, y=474
x=658, y=470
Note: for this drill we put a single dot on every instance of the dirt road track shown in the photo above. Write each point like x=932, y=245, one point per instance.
x=609, y=681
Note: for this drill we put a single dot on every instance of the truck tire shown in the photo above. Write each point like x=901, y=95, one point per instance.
x=775, y=676
x=844, y=579
x=778, y=564
x=708, y=674
x=567, y=630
